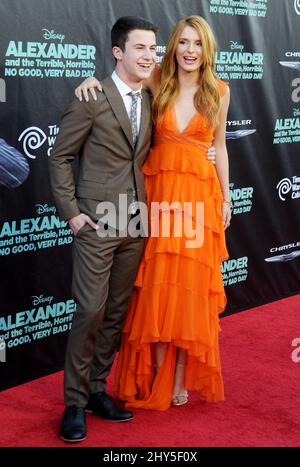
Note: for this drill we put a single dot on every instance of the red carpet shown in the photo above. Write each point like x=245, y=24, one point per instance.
x=262, y=388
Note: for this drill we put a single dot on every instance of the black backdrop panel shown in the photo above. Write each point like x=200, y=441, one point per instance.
x=46, y=50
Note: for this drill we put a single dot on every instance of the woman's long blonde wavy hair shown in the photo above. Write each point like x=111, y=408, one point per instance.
x=207, y=98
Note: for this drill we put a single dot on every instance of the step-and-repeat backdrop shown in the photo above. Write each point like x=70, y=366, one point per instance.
x=47, y=47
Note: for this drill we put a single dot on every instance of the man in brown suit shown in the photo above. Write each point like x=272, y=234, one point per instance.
x=113, y=137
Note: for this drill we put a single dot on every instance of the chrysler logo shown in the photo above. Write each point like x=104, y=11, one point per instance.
x=239, y=134
x=294, y=65
x=283, y=258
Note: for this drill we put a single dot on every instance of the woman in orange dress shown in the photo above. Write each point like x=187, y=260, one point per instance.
x=170, y=338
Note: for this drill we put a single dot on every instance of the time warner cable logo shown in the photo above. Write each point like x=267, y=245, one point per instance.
x=286, y=186
x=32, y=138
x=297, y=6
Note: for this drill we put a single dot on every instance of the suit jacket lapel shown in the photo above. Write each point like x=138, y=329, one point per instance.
x=118, y=107
x=145, y=119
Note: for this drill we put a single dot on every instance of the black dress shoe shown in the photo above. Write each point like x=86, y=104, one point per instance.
x=101, y=404
x=73, y=425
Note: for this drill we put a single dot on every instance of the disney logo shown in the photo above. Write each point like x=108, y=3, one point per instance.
x=41, y=208
x=51, y=35
x=296, y=112
x=41, y=299
x=236, y=46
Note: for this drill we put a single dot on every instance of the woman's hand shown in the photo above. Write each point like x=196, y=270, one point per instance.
x=226, y=214
x=211, y=154
x=88, y=85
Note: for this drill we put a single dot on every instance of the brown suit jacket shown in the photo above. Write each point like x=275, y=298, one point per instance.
x=109, y=165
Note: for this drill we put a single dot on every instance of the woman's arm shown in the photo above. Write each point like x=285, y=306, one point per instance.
x=222, y=166
x=91, y=83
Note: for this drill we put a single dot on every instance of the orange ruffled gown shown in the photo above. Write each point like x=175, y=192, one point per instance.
x=178, y=292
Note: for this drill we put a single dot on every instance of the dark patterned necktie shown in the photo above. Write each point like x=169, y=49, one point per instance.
x=135, y=96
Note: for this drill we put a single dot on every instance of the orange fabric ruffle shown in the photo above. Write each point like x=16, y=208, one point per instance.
x=178, y=292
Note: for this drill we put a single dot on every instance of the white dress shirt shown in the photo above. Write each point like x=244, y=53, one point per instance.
x=124, y=89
